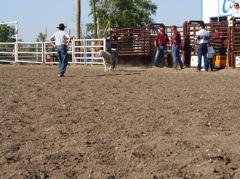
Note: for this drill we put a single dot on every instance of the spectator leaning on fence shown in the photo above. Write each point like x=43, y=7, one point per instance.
x=218, y=39
x=235, y=11
x=201, y=43
x=62, y=40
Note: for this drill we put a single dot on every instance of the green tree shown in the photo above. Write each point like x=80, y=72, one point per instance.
x=135, y=13
x=41, y=37
x=7, y=33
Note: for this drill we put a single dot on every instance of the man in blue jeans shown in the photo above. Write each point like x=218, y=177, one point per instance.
x=111, y=45
x=201, y=43
x=160, y=42
x=176, y=41
x=62, y=40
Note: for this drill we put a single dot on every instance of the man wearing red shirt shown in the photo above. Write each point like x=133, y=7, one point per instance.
x=176, y=42
x=218, y=39
x=160, y=42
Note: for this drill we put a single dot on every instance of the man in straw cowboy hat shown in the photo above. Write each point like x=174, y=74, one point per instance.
x=62, y=40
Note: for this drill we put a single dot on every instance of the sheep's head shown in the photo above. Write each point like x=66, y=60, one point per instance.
x=100, y=53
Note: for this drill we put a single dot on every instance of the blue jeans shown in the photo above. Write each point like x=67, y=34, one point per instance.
x=114, y=54
x=202, y=51
x=62, y=58
x=161, y=50
x=176, y=57
x=210, y=63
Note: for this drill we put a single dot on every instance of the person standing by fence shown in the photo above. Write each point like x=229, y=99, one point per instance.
x=160, y=42
x=176, y=41
x=235, y=11
x=62, y=40
x=201, y=44
x=210, y=54
x=218, y=40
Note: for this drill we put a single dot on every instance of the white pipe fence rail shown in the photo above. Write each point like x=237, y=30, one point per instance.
x=80, y=51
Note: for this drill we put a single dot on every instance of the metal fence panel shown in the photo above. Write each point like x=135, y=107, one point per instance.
x=29, y=52
x=85, y=51
x=7, y=52
x=50, y=54
x=80, y=51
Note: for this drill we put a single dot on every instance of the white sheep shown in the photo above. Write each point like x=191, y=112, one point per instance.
x=107, y=59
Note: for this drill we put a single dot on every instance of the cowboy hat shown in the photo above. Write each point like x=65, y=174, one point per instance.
x=201, y=25
x=61, y=26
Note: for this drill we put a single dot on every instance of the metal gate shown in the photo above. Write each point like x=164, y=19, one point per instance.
x=82, y=51
x=8, y=52
x=222, y=56
x=234, y=43
x=26, y=52
x=29, y=52
x=85, y=51
x=50, y=54
x=134, y=46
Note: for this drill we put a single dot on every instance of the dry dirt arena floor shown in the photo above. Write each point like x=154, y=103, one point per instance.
x=132, y=123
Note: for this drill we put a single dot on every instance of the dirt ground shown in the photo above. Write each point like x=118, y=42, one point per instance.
x=132, y=123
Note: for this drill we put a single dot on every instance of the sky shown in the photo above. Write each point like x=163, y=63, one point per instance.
x=43, y=16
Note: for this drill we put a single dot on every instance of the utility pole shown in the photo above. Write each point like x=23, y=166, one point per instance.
x=78, y=18
x=95, y=19
x=77, y=24
x=46, y=35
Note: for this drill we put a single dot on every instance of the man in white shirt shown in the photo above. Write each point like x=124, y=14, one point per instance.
x=201, y=43
x=235, y=11
x=62, y=40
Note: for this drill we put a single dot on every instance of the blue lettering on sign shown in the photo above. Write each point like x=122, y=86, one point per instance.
x=226, y=5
